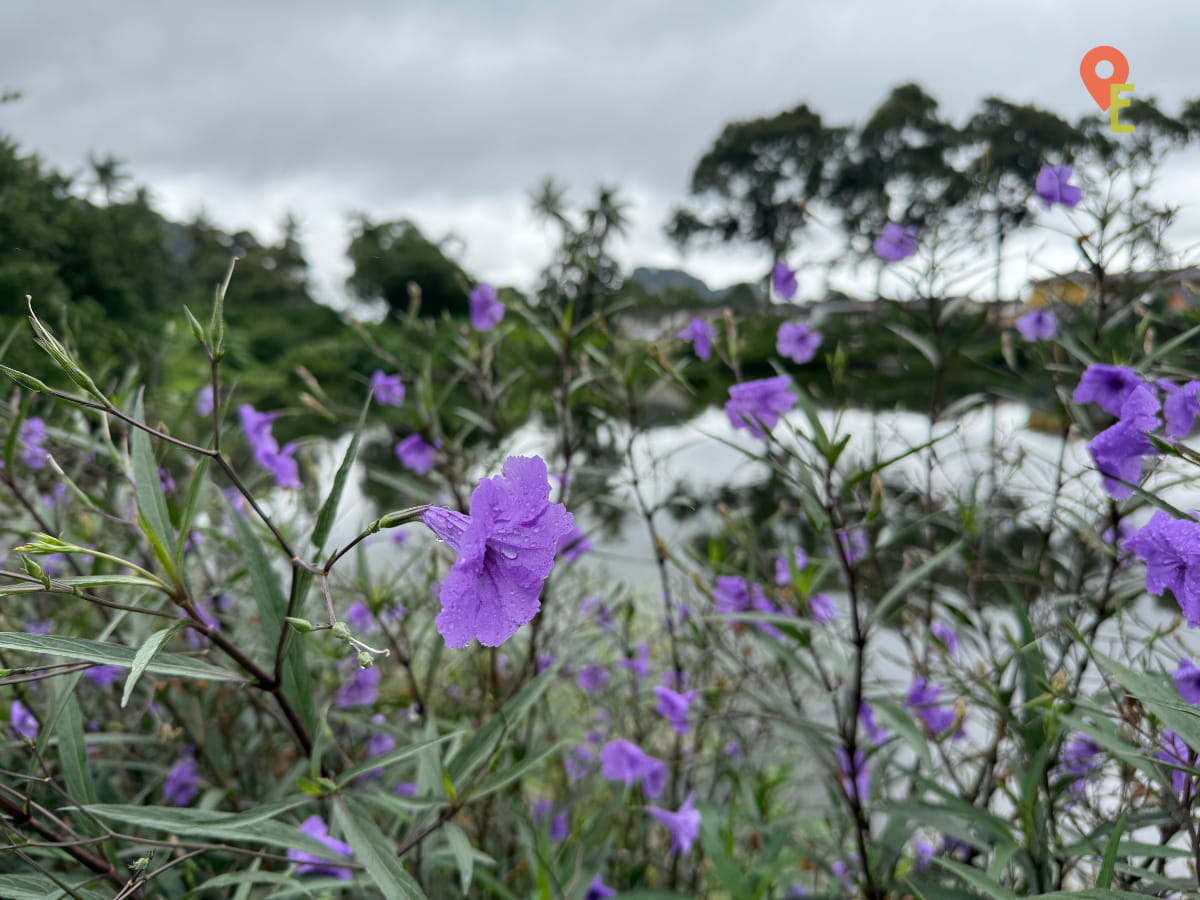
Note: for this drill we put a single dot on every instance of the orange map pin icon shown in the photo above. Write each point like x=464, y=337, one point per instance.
x=1099, y=87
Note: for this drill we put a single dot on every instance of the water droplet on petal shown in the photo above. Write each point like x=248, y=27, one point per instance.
x=508, y=553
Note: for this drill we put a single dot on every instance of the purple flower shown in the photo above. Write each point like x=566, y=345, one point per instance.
x=103, y=676
x=560, y=827
x=624, y=761
x=267, y=452
x=361, y=690
x=683, y=823
x=856, y=779
x=1078, y=761
x=946, y=635
x=1171, y=551
x=405, y=789
x=578, y=763
x=415, y=454
x=733, y=595
x=854, y=541
x=923, y=700
x=486, y=310
x=701, y=334
x=380, y=742
x=1181, y=406
x=783, y=572
x=31, y=436
x=1118, y=453
x=639, y=665
x=922, y=855
x=506, y=549
x=674, y=707
x=183, y=781
x=875, y=732
x=204, y=401
x=783, y=280
x=314, y=826
x=822, y=609
x=22, y=720
x=1176, y=752
x=1187, y=681
x=166, y=481
x=797, y=341
x=388, y=389
x=359, y=617
x=757, y=405
x=1107, y=386
x=896, y=242
x=1037, y=325
x=733, y=750
x=1052, y=186
x=592, y=677
x=574, y=544
x=598, y=890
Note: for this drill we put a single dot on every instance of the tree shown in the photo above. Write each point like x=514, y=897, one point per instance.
x=899, y=166
x=109, y=175
x=582, y=272
x=757, y=181
x=387, y=256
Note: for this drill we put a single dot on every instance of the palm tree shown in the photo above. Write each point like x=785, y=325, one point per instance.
x=108, y=175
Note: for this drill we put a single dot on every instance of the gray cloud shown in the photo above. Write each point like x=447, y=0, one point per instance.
x=451, y=112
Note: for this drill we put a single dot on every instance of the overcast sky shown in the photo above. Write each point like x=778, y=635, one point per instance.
x=449, y=113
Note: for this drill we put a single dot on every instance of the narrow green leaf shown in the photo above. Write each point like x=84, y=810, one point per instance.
x=190, y=508
x=904, y=587
x=328, y=512
x=145, y=654
x=1108, y=864
x=373, y=850
x=39, y=887
x=72, y=746
x=487, y=739
x=112, y=654
x=252, y=827
x=272, y=605
x=464, y=856
x=927, y=349
x=387, y=759
x=151, y=503
x=976, y=879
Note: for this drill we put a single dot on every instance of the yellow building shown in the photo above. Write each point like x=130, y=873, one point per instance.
x=1181, y=286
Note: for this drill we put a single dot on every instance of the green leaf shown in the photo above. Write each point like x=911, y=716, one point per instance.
x=487, y=739
x=904, y=587
x=1108, y=864
x=464, y=856
x=927, y=349
x=272, y=606
x=373, y=850
x=256, y=826
x=72, y=746
x=112, y=654
x=328, y=512
x=395, y=756
x=152, y=506
x=976, y=878
x=145, y=654
x=39, y=887
x=84, y=581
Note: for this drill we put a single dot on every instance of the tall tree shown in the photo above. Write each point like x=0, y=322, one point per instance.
x=387, y=256
x=109, y=175
x=757, y=181
x=1010, y=143
x=582, y=272
x=899, y=166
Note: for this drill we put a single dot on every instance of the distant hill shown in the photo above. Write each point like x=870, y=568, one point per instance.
x=658, y=281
